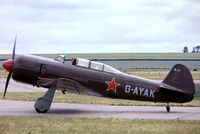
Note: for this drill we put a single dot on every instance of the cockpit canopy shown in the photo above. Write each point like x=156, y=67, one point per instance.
x=94, y=65
x=60, y=58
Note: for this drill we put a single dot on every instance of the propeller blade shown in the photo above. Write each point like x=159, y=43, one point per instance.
x=10, y=73
x=13, y=53
x=7, y=82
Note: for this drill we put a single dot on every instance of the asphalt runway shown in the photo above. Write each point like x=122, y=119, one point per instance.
x=25, y=108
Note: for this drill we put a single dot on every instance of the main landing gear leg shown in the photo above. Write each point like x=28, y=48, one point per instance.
x=167, y=107
x=43, y=104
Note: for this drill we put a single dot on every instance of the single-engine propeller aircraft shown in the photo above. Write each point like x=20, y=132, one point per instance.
x=96, y=79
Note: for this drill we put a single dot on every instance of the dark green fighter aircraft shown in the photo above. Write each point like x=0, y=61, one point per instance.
x=96, y=79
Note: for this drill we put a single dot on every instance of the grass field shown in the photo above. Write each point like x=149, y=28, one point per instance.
x=122, y=55
x=157, y=74
x=3, y=74
x=64, y=125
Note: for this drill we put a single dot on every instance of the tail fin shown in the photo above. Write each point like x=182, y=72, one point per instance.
x=180, y=78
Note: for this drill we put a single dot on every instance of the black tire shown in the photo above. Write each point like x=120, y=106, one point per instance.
x=39, y=111
x=168, y=109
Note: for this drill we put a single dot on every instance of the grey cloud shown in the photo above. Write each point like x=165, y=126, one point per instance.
x=99, y=26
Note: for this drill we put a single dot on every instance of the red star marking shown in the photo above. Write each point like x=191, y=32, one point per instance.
x=112, y=85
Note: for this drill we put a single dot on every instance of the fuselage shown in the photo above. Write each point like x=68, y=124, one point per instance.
x=27, y=69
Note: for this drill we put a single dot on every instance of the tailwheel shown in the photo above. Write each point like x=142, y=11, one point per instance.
x=40, y=111
x=167, y=108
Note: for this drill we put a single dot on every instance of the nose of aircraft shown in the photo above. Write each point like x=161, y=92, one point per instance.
x=8, y=65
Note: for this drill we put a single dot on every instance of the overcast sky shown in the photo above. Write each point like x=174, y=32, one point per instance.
x=90, y=26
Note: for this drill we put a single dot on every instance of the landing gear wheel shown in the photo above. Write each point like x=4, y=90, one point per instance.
x=39, y=111
x=167, y=108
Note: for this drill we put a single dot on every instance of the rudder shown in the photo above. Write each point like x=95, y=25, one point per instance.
x=180, y=78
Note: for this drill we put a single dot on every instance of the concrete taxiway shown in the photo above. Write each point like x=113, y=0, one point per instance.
x=25, y=108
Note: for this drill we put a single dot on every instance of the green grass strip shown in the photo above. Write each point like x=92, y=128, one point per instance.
x=65, y=125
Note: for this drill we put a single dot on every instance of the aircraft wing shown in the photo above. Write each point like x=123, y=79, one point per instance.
x=65, y=84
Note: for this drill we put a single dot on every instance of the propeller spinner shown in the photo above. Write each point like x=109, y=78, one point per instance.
x=8, y=65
